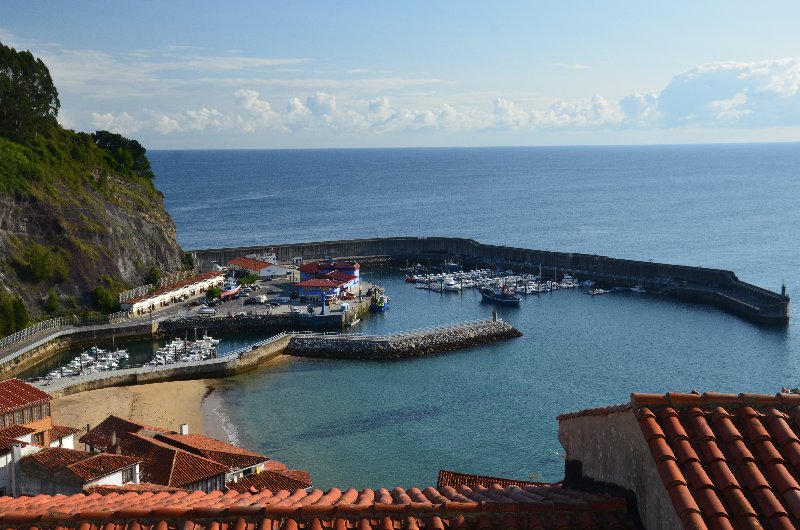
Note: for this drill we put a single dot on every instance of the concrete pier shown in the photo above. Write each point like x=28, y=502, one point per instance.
x=717, y=287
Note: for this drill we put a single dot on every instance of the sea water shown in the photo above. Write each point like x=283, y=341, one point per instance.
x=492, y=410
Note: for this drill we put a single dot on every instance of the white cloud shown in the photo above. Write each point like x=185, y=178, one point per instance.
x=261, y=112
x=189, y=120
x=122, y=123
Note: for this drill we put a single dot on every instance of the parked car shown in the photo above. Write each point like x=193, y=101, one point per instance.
x=193, y=303
x=251, y=301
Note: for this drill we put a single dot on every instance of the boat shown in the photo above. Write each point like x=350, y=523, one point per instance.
x=450, y=284
x=229, y=289
x=504, y=295
x=381, y=304
x=596, y=291
x=638, y=288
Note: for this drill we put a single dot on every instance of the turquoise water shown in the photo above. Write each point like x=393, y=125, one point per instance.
x=492, y=409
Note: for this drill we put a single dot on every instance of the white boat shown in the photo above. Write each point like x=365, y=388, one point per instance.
x=638, y=289
x=597, y=291
x=450, y=284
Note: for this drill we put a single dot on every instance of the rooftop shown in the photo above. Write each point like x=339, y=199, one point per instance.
x=249, y=263
x=175, y=285
x=545, y=507
x=100, y=435
x=213, y=449
x=15, y=394
x=85, y=466
x=60, y=431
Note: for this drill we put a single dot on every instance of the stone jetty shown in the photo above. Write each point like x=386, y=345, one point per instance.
x=401, y=345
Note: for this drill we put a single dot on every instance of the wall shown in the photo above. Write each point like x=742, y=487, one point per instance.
x=611, y=449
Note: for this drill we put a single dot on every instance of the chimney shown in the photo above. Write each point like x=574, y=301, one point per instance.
x=13, y=469
x=184, y=430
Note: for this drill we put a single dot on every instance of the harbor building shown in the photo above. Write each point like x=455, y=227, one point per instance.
x=172, y=293
x=262, y=269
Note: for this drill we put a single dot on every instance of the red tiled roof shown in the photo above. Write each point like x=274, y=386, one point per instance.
x=273, y=481
x=60, y=431
x=85, y=466
x=447, y=508
x=340, y=276
x=213, y=449
x=249, y=263
x=314, y=268
x=319, y=282
x=100, y=436
x=15, y=431
x=16, y=394
x=726, y=460
x=600, y=411
x=309, y=268
x=455, y=479
x=168, y=465
x=141, y=487
x=6, y=443
x=174, y=286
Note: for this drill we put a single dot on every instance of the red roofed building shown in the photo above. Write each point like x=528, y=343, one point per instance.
x=24, y=404
x=66, y=471
x=263, y=269
x=240, y=462
x=173, y=292
x=693, y=461
x=330, y=278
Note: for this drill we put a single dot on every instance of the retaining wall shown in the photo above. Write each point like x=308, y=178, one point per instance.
x=747, y=300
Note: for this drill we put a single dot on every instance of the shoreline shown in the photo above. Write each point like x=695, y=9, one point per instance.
x=168, y=404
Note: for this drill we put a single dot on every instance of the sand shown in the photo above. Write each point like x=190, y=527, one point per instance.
x=159, y=404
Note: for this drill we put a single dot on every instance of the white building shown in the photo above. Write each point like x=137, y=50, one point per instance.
x=169, y=294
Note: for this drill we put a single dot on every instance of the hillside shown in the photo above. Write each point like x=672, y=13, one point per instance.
x=80, y=217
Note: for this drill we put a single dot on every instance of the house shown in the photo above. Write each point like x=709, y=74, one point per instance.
x=321, y=268
x=183, y=460
x=693, y=460
x=26, y=405
x=262, y=269
x=11, y=438
x=171, y=293
x=67, y=471
x=63, y=436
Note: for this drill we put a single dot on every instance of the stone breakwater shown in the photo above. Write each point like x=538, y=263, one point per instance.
x=401, y=345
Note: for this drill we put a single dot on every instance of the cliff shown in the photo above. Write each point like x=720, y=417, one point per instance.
x=80, y=217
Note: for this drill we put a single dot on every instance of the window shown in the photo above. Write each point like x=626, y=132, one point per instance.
x=37, y=412
x=27, y=415
x=46, y=410
x=2, y=421
x=38, y=438
x=9, y=419
x=18, y=417
x=127, y=474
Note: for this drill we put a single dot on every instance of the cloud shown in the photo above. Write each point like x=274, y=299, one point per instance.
x=755, y=94
x=189, y=120
x=261, y=112
x=122, y=123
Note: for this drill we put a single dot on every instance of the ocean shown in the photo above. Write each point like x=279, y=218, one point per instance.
x=492, y=410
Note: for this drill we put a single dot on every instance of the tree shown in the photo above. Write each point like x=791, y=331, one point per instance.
x=51, y=302
x=126, y=154
x=213, y=292
x=153, y=275
x=28, y=98
x=250, y=279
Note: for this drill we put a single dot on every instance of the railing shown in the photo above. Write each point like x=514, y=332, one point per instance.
x=60, y=323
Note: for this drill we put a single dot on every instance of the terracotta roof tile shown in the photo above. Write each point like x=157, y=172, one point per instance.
x=168, y=465
x=249, y=263
x=15, y=394
x=60, y=431
x=100, y=435
x=16, y=431
x=213, y=449
x=202, y=276
x=454, y=479
x=726, y=460
x=382, y=509
x=85, y=466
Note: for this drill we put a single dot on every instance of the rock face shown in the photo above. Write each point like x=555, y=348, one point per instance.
x=118, y=231
x=402, y=346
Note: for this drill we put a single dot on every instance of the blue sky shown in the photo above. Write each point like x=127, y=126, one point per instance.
x=267, y=74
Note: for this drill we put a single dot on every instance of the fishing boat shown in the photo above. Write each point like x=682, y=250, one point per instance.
x=504, y=295
x=450, y=284
x=380, y=304
x=229, y=289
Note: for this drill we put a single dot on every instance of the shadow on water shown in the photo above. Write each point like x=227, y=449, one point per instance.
x=366, y=423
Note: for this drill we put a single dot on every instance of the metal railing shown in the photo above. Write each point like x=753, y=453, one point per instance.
x=60, y=323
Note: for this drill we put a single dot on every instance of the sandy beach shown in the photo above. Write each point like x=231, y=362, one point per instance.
x=159, y=404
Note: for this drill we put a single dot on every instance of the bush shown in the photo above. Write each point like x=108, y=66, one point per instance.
x=213, y=292
x=42, y=263
x=51, y=302
x=13, y=314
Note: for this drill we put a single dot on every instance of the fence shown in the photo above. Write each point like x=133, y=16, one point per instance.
x=60, y=323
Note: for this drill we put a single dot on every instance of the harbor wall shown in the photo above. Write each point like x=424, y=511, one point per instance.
x=202, y=370
x=402, y=346
x=682, y=281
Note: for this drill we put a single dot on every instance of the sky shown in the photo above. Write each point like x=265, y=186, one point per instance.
x=301, y=74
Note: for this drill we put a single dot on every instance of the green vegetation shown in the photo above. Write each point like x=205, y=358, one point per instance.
x=28, y=99
x=250, y=279
x=153, y=275
x=42, y=263
x=13, y=314
x=51, y=302
x=213, y=292
x=106, y=295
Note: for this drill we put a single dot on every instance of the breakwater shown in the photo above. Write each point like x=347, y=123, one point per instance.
x=401, y=345
x=717, y=287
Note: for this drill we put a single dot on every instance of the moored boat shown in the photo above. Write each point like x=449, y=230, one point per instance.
x=380, y=304
x=504, y=295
